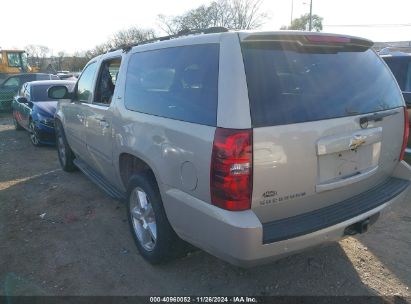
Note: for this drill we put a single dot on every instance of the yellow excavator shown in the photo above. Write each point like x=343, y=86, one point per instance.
x=14, y=62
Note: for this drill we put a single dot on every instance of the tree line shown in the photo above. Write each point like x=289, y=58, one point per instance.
x=231, y=14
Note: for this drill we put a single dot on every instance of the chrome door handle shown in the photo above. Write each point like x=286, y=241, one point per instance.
x=103, y=122
x=80, y=117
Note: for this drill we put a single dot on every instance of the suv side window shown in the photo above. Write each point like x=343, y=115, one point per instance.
x=85, y=83
x=407, y=87
x=401, y=69
x=107, y=81
x=179, y=83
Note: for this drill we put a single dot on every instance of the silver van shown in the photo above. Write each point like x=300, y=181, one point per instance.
x=248, y=145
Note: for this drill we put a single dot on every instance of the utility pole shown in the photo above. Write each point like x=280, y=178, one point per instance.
x=292, y=9
x=311, y=16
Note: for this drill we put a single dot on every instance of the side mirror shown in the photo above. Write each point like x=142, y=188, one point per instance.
x=22, y=100
x=58, y=92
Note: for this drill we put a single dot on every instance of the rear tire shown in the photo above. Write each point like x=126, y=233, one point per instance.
x=16, y=124
x=64, y=152
x=154, y=237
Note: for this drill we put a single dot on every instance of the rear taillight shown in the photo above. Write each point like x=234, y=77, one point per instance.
x=231, y=169
x=406, y=133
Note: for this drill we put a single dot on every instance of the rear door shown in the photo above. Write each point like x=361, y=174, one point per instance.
x=327, y=119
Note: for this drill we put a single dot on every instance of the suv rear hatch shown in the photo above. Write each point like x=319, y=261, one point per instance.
x=327, y=118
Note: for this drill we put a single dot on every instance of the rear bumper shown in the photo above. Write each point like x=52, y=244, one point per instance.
x=238, y=237
x=340, y=212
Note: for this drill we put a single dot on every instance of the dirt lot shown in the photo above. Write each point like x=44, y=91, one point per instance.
x=61, y=235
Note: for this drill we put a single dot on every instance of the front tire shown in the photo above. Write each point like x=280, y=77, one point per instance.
x=154, y=237
x=34, y=136
x=64, y=152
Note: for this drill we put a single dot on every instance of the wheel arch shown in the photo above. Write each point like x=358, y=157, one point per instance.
x=130, y=164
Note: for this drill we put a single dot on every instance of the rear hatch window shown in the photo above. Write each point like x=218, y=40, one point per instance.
x=292, y=83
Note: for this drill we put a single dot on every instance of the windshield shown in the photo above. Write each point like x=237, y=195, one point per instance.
x=288, y=83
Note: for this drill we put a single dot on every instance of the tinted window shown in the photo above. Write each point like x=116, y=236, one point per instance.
x=39, y=92
x=401, y=68
x=290, y=84
x=179, y=83
x=407, y=86
x=85, y=83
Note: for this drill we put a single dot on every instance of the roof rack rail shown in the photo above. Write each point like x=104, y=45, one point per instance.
x=184, y=32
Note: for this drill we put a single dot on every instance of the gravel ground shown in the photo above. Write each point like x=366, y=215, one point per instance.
x=61, y=235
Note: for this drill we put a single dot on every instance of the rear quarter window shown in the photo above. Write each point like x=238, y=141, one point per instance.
x=290, y=84
x=178, y=83
x=401, y=68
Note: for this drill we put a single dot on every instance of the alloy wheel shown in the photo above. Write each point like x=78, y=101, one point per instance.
x=33, y=134
x=143, y=219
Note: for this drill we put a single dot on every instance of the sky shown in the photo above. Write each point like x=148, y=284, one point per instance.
x=79, y=25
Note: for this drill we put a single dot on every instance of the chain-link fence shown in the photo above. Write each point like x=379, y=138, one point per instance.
x=6, y=97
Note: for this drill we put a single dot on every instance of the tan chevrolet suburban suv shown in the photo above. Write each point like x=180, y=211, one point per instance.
x=248, y=145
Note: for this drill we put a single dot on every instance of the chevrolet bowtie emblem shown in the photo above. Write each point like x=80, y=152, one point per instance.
x=356, y=141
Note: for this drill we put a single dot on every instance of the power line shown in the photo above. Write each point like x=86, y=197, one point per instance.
x=368, y=25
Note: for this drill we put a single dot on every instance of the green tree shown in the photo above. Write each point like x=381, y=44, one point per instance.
x=302, y=23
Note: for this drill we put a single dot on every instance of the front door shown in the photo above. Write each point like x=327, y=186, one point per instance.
x=76, y=112
x=99, y=129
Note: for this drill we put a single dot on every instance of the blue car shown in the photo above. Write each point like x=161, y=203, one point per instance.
x=34, y=111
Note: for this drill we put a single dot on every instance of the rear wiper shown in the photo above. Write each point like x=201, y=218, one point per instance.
x=377, y=116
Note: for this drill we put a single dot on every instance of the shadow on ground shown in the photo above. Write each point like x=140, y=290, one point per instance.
x=62, y=235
